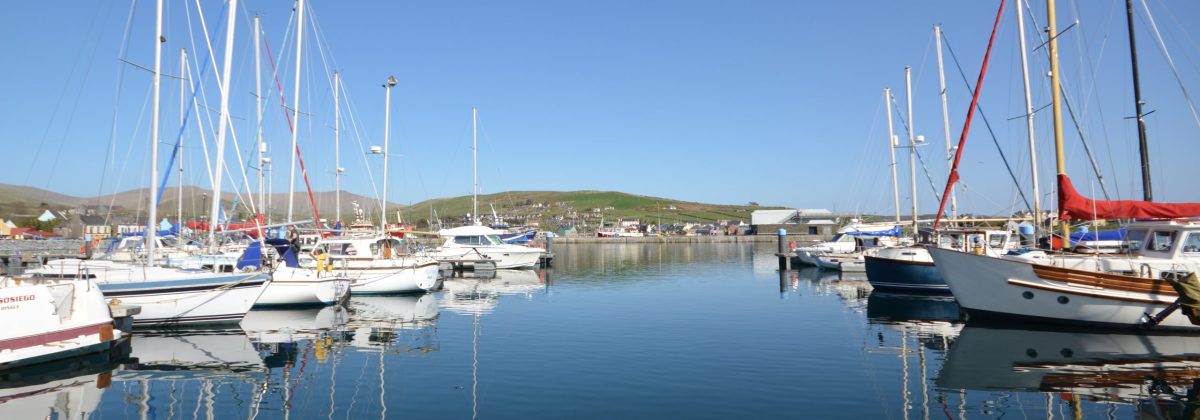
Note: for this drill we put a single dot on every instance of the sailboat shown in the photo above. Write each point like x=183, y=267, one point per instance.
x=1112, y=291
x=171, y=296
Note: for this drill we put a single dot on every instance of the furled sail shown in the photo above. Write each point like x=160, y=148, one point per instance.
x=1073, y=206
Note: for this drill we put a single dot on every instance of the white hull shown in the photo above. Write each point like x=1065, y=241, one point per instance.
x=850, y=263
x=46, y=320
x=507, y=256
x=1003, y=287
x=412, y=278
x=302, y=286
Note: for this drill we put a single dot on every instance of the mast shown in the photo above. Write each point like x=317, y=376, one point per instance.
x=937, y=32
x=387, y=117
x=912, y=145
x=475, y=164
x=337, y=148
x=1037, y=197
x=179, y=149
x=887, y=98
x=224, y=124
x=151, y=227
x=262, y=200
x=1143, y=149
x=1060, y=161
x=296, y=108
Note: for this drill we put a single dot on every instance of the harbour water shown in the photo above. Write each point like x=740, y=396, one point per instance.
x=623, y=331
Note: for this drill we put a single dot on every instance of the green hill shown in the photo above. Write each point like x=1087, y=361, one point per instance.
x=575, y=208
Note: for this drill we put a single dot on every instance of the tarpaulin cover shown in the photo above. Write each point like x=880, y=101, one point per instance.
x=1073, y=206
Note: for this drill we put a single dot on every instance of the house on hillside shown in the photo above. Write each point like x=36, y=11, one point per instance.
x=51, y=215
x=130, y=226
x=82, y=226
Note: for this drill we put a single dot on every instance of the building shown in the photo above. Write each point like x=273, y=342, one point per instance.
x=82, y=226
x=814, y=223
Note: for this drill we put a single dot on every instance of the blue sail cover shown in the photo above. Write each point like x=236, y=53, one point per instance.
x=894, y=231
x=1104, y=235
x=252, y=257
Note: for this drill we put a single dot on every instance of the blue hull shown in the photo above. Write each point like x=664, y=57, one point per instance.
x=901, y=275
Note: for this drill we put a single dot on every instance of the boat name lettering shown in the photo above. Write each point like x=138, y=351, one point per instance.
x=16, y=299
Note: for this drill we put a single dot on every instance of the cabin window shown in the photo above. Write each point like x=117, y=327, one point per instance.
x=1134, y=239
x=1192, y=244
x=469, y=240
x=1160, y=241
x=812, y=230
x=997, y=240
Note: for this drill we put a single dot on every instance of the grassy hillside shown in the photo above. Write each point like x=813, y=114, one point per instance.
x=585, y=208
x=578, y=207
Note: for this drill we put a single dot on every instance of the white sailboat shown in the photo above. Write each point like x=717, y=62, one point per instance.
x=1109, y=290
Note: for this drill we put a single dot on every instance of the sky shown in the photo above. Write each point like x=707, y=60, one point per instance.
x=774, y=102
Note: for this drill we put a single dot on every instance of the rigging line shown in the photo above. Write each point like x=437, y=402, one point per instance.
x=355, y=124
x=962, y=140
x=292, y=128
x=1163, y=47
x=112, y=135
x=1086, y=149
x=858, y=172
x=196, y=108
x=918, y=152
x=987, y=123
x=1186, y=35
x=1079, y=128
x=125, y=162
x=87, y=74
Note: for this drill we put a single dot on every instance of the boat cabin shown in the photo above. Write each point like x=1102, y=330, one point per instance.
x=375, y=247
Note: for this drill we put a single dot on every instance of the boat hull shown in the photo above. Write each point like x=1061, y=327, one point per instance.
x=49, y=320
x=989, y=287
x=299, y=286
x=904, y=275
x=414, y=278
x=217, y=299
x=504, y=258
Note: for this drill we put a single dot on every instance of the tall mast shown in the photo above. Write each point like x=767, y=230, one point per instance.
x=887, y=99
x=1037, y=195
x=152, y=226
x=1060, y=161
x=179, y=149
x=224, y=121
x=912, y=145
x=387, y=117
x=1143, y=149
x=937, y=32
x=337, y=148
x=475, y=164
x=296, y=108
x=262, y=199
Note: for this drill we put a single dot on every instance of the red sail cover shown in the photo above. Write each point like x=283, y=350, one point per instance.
x=1072, y=206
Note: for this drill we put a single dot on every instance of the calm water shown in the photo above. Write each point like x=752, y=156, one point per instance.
x=623, y=331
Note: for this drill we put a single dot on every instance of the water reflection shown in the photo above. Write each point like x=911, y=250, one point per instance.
x=63, y=389
x=381, y=323
x=1158, y=372
x=474, y=295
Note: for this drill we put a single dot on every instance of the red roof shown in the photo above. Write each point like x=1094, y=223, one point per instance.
x=33, y=232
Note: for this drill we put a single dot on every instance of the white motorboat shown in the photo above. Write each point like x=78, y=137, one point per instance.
x=470, y=243
x=378, y=264
x=167, y=296
x=52, y=318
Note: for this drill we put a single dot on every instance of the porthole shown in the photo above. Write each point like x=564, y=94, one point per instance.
x=1027, y=294
x=1031, y=353
x=1066, y=352
x=1064, y=300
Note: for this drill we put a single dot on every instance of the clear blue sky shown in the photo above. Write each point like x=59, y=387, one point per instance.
x=777, y=102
